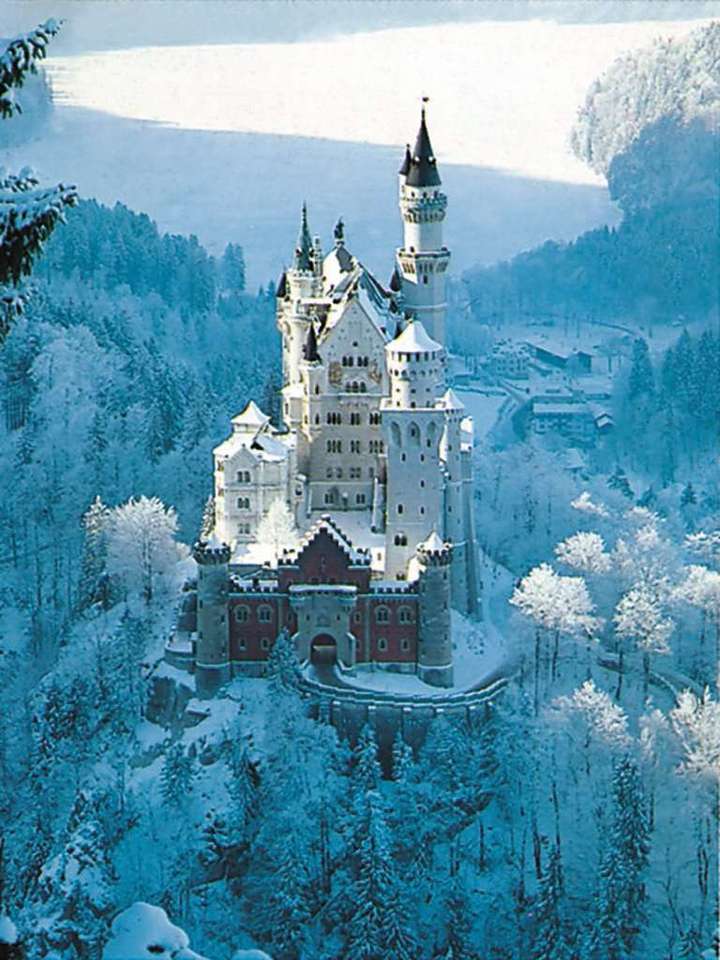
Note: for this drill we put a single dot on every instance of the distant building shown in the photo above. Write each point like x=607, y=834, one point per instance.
x=561, y=357
x=510, y=359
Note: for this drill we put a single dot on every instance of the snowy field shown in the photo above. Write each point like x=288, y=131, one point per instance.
x=227, y=141
x=497, y=89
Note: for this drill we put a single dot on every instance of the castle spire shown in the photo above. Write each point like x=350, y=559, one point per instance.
x=407, y=160
x=423, y=170
x=304, y=249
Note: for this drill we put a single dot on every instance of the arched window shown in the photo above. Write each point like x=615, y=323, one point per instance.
x=400, y=509
x=406, y=615
x=242, y=614
x=382, y=644
x=243, y=503
x=382, y=615
x=264, y=614
x=363, y=387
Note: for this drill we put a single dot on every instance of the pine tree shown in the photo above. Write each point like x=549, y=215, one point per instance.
x=233, y=268
x=283, y=667
x=402, y=758
x=641, y=382
x=177, y=776
x=688, y=498
x=458, y=926
x=548, y=938
x=619, y=481
x=378, y=928
x=622, y=891
x=28, y=213
x=366, y=773
x=94, y=557
x=208, y=518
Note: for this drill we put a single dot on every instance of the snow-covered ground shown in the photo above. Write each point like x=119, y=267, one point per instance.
x=364, y=88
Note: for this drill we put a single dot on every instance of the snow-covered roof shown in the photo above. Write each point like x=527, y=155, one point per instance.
x=451, y=401
x=338, y=262
x=327, y=524
x=260, y=445
x=433, y=544
x=414, y=339
x=541, y=408
x=251, y=418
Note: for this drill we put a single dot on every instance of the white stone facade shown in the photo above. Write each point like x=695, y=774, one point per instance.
x=369, y=427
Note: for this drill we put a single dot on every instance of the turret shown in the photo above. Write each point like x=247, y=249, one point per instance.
x=423, y=258
x=212, y=650
x=435, y=662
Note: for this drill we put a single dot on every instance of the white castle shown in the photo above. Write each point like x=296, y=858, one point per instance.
x=372, y=442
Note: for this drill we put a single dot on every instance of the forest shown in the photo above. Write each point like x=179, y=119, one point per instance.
x=575, y=818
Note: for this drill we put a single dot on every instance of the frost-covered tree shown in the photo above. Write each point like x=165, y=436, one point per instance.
x=208, y=518
x=639, y=617
x=94, y=557
x=696, y=723
x=701, y=589
x=624, y=862
x=144, y=931
x=556, y=604
x=584, y=551
x=28, y=213
x=548, y=936
x=283, y=667
x=178, y=774
x=378, y=928
x=277, y=528
x=141, y=544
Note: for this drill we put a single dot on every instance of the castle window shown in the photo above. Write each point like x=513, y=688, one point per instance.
x=422, y=511
x=357, y=617
x=382, y=615
x=354, y=446
x=404, y=644
x=264, y=614
x=243, y=476
x=363, y=388
x=242, y=614
x=382, y=644
x=422, y=483
x=400, y=540
x=425, y=279
x=317, y=389
x=374, y=419
x=317, y=418
x=243, y=503
x=329, y=473
x=264, y=644
x=333, y=446
x=338, y=473
x=354, y=419
x=371, y=473
x=355, y=473
x=400, y=508
x=241, y=644
x=406, y=615
x=360, y=499
x=329, y=499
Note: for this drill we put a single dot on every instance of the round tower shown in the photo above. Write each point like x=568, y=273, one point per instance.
x=423, y=259
x=212, y=650
x=435, y=660
x=413, y=426
x=299, y=283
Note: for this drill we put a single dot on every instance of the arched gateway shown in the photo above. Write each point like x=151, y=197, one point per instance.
x=323, y=650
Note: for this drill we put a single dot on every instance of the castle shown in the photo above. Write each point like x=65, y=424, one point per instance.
x=373, y=463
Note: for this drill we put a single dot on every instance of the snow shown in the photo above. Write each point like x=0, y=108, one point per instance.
x=8, y=930
x=414, y=339
x=479, y=655
x=143, y=932
x=482, y=78
x=251, y=416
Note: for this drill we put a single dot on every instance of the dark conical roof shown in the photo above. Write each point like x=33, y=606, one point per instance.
x=310, y=352
x=423, y=169
x=304, y=249
x=281, y=292
x=395, y=282
x=407, y=160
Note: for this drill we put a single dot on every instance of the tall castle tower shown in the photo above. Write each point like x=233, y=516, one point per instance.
x=435, y=660
x=413, y=426
x=422, y=261
x=212, y=653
